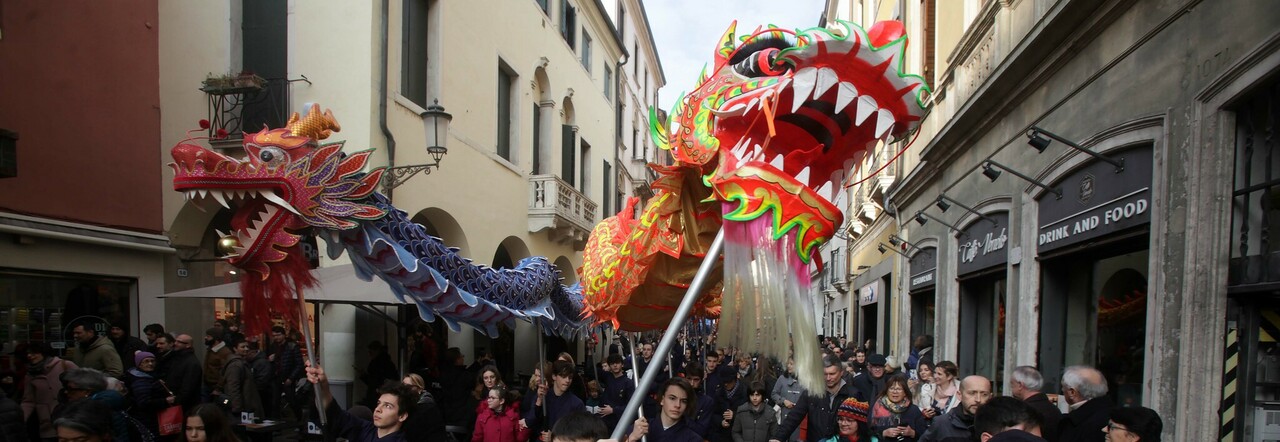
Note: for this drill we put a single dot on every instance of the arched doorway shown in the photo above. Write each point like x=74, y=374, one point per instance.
x=503, y=348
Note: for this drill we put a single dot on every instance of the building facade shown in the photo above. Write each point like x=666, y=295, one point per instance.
x=640, y=76
x=531, y=87
x=80, y=209
x=1106, y=166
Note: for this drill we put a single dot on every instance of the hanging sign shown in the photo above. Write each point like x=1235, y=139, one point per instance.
x=924, y=265
x=1097, y=201
x=984, y=244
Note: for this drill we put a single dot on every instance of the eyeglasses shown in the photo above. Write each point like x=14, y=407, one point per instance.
x=1114, y=426
x=494, y=398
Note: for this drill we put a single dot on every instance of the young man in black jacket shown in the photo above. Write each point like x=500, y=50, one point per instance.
x=821, y=411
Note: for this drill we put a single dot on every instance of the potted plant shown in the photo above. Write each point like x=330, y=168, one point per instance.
x=232, y=83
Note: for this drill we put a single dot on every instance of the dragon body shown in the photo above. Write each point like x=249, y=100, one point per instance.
x=761, y=148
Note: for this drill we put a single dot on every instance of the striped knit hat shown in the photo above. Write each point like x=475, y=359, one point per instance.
x=853, y=408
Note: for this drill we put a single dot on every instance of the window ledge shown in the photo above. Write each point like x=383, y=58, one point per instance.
x=409, y=104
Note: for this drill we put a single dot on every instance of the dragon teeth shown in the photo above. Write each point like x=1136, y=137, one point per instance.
x=220, y=197
x=803, y=176
x=825, y=191
x=866, y=105
x=803, y=83
x=275, y=199
x=826, y=78
x=844, y=94
x=776, y=162
x=884, y=122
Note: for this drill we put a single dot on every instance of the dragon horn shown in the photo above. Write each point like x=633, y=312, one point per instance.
x=657, y=131
x=726, y=45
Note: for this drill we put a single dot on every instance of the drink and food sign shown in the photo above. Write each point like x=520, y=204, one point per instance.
x=1096, y=201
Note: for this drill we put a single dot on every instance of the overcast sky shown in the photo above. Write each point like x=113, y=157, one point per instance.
x=686, y=32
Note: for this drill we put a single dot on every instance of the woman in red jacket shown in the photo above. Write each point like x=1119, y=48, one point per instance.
x=499, y=422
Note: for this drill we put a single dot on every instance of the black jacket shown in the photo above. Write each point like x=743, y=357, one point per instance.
x=868, y=387
x=125, y=347
x=821, y=412
x=425, y=422
x=12, y=428
x=1049, y=414
x=183, y=374
x=951, y=427
x=1085, y=424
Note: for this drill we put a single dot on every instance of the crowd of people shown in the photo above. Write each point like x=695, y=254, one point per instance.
x=116, y=388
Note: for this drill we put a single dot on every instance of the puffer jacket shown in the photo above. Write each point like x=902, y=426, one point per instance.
x=40, y=396
x=147, y=398
x=11, y=423
x=99, y=355
x=751, y=425
x=499, y=427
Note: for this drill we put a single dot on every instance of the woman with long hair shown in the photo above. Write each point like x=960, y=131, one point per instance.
x=500, y=420
x=851, y=422
x=488, y=378
x=944, y=393
x=922, y=388
x=208, y=423
x=426, y=420
x=677, y=406
x=893, y=416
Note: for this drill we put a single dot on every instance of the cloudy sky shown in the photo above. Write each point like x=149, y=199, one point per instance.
x=686, y=32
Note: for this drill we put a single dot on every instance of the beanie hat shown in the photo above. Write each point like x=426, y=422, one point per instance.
x=140, y=355
x=852, y=408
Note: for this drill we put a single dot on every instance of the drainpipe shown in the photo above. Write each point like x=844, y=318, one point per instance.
x=382, y=91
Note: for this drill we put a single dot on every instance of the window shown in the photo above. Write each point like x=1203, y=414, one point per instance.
x=568, y=23
x=586, y=51
x=635, y=143
x=545, y=5
x=537, y=139
x=608, y=83
x=506, y=85
x=607, y=185
x=635, y=60
x=413, y=56
x=586, y=171
x=567, y=139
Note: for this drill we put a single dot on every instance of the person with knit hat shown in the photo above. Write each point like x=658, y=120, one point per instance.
x=147, y=393
x=851, y=419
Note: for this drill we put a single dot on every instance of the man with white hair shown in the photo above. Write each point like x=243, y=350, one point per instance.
x=1026, y=385
x=1085, y=390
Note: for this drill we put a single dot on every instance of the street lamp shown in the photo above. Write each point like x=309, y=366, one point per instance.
x=944, y=202
x=1037, y=141
x=436, y=124
x=923, y=217
x=989, y=170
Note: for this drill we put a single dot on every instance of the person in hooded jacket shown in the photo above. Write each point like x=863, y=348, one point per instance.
x=755, y=420
x=44, y=381
x=426, y=421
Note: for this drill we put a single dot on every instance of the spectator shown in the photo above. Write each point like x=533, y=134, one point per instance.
x=617, y=391
x=1026, y=385
x=755, y=420
x=459, y=416
x=87, y=384
x=957, y=424
x=871, y=384
x=706, y=407
x=393, y=408
x=549, y=408
x=1006, y=414
x=1085, y=390
x=425, y=423
x=498, y=422
x=579, y=427
x=1133, y=424
x=230, y=331
x=944, y=394
x=922, y=388
x=208, y=423
x=96, y=352
x=821, y=411
x=851, y=419
x=44, y=381
x=380, y=370
x=786, y=392
x=152, y=332
x=893, y=416
x=215, y=358
x=488, y=378
x=146, y=395
x=859, y=361
x=85, y=421
x=286, y=369
x=182, y=372
x=921, y=349
x=125, y=345
x=12, y=427
x=262, y=376
x=674, y=414
x=593, y=400
x=239, y=386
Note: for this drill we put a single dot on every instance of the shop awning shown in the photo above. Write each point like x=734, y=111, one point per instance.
x=338, y=284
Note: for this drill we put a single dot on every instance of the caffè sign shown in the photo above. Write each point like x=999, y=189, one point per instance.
x=984, y=244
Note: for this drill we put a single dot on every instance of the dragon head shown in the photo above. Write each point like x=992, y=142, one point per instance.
x=287, y=183
x=785, y=116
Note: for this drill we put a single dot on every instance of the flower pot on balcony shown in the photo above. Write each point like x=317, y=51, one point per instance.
x=243, y=83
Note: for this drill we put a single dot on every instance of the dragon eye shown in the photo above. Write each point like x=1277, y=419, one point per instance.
x=272, y=156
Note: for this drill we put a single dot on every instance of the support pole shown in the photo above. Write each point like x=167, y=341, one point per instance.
x=311, y=354
x=635, y=368
x=664, y=347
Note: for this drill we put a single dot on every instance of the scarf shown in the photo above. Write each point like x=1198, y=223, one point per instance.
x=39, y=368
x=895, y=408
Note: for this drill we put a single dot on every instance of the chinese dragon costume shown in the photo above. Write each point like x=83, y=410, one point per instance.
x=761, y=147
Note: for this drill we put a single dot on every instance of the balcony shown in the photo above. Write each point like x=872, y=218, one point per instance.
x=565, y=213
x=244, y=103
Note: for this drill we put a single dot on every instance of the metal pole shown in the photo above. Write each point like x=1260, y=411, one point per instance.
x=542, y=356
x=311, y=354
x=635, y=368
x=681, y=314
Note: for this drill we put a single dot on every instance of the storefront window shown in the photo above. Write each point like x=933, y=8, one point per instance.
x=1121, y=286
x=982, y=315
x=40, y=307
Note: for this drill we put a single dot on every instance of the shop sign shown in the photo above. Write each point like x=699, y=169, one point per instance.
x=867, y=295
x=983, y=244
x=924, y=264
x=1097, y=201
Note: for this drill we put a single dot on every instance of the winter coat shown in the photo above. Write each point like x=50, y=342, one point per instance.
x=125, y=348
x=147, y=397
x=953, y=426
x=213, y=363
x=120, y=425
x=1085, y=423
x=821, y=412
x=499, y=427
x=751, y=425
x=12, y=427
x=99, y=355
x=181, y=373
x=425, y=422
x=1049, y=413
x=881, y=419
x=240, y=388
x=41, y=393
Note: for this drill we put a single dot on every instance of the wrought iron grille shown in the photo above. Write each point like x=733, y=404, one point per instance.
x=1256, y=198
x=233, y=111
